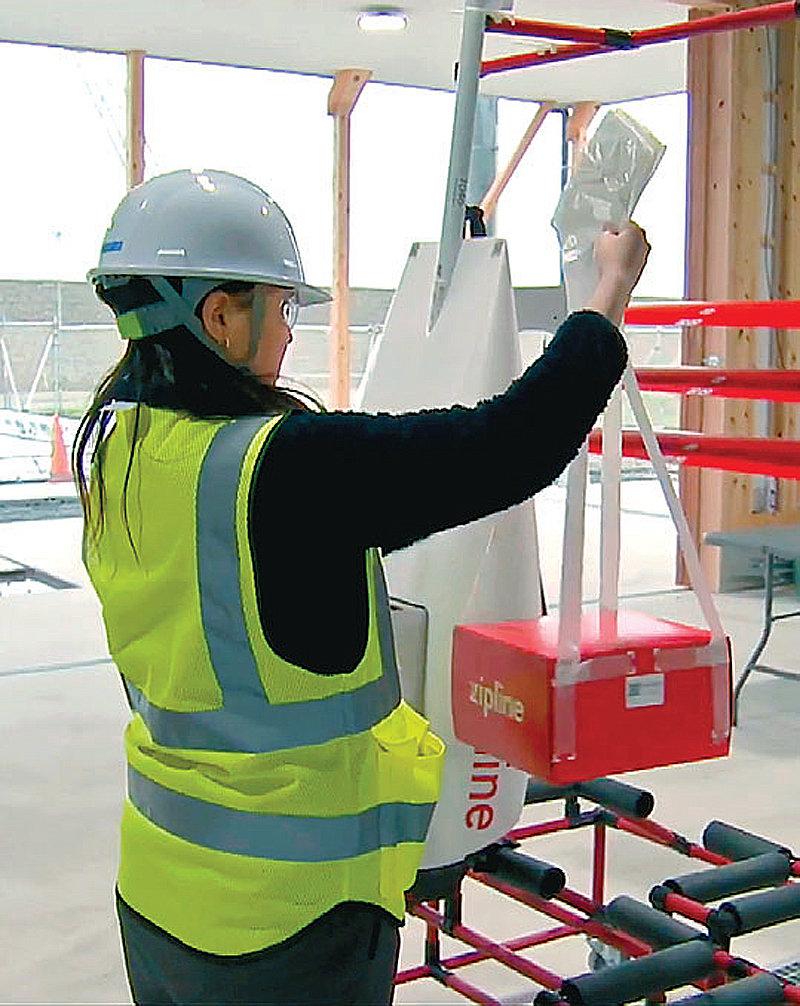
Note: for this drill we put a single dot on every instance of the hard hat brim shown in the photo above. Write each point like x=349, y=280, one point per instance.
x=306, y=294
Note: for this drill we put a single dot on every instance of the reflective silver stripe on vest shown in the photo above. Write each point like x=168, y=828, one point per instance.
x=278, y=836
x=247, y=722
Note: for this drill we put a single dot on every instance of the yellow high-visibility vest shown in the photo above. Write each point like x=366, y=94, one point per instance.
x=260, y=794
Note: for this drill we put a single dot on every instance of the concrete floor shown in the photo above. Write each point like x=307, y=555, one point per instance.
x=61, y=774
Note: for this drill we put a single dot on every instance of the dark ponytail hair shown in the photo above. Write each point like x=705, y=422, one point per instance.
x=172, y=370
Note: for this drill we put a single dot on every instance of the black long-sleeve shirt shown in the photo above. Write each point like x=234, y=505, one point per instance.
x=333, y=484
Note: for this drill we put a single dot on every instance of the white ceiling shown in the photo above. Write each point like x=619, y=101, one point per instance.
x=320, y=37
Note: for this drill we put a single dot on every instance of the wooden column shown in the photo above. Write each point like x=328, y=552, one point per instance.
x=580, y=118
x=788, y=256
x=725, y=238
x=710, y=153
x=489, y=201
x=135, y=118
x=344, y=93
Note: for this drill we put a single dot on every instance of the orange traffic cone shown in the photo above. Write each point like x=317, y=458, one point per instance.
x=60, y=470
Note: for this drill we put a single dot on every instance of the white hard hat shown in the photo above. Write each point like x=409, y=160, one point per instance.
x=204, y=225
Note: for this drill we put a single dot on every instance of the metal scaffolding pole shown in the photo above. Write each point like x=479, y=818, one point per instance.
x=467, y=82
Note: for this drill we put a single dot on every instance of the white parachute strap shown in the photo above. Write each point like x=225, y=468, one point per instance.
x=567, y=670
x=604, y=189
x=717, y=650
x=569, y=608
x=611, y=467
x=697, y=578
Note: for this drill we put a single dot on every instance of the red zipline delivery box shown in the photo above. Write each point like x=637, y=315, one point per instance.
x=645, y=692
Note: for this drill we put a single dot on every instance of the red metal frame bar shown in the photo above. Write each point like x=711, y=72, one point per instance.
x=733, y=313
x=594, y=42
x=770, y=385
x=525, y=60
x=764, y=385
x=773, y=456
x=454, y=982
x=564, y=910
x=791, y=993
x=686, y=906
x=659, y=835
x=546, y=828
x=494, y=950
x=518, y=943
x=554, y=909
x=755, y=17
x=579, y=901
x=698, y=912
x=550, y=29
x=756, y=456
x=532, y=830
x=599, y=863
x=478, y=956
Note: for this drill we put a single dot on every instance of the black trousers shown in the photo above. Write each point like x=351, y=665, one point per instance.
x=347, y=957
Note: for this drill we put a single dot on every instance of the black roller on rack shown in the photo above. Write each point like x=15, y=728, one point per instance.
x=538, y=791
x=645, y=923
x=734, y=843
x=548, y=999
x=769, y=869
x=758, y=990
x=757, y=911
x=520, y=870
x=628, y=982
x=619, y=796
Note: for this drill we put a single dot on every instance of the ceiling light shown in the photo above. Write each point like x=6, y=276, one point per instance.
x=382, y=19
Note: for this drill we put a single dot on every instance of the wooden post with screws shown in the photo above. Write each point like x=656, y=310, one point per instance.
x=135, y=117
x=344, y=93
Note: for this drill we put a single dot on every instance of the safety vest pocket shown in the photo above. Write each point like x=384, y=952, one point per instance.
x=410, y=758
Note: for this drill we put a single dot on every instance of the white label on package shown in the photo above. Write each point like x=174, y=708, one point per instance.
x=644, y=690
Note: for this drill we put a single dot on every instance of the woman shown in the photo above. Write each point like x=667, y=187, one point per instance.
x=279, y=790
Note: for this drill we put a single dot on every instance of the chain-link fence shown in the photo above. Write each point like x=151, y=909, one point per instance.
x=57, y=341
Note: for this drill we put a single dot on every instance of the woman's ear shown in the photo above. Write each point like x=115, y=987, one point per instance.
x=215, y=316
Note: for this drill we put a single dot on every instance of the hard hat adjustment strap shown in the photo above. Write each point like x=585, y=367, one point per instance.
x=185, y=314
x=256, y=320
x=152, y=319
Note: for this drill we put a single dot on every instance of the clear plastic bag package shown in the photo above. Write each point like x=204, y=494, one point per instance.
x=603, y=190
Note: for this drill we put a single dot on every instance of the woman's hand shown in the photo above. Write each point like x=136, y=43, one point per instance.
x=620, y=256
